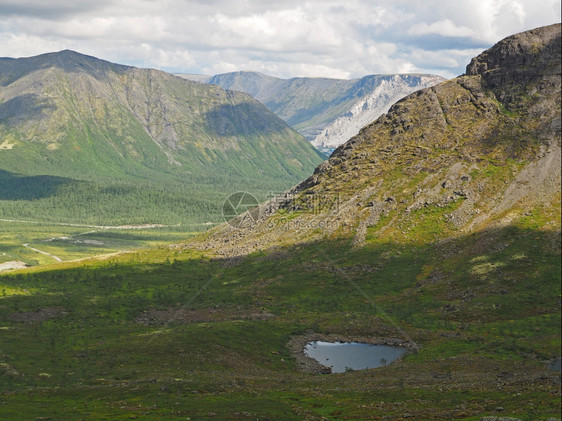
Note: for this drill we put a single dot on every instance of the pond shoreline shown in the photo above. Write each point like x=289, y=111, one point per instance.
x=307, y=364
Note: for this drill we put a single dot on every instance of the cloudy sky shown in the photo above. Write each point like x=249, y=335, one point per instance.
x=284, y=38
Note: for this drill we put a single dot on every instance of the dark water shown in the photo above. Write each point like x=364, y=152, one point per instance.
x=342, y=356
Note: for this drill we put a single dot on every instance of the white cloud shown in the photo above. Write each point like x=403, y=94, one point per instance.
x=285, y=38
x=23, y=45
x=444, y=27
x=282, y=30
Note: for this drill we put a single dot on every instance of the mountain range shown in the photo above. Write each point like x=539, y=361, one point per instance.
x=327, y=111
x=104, y=127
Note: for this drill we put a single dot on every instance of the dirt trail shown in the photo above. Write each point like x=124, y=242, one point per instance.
x=58, y=259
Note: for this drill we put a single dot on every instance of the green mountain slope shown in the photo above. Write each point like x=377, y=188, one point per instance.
x=437, y=227
x=90, y=121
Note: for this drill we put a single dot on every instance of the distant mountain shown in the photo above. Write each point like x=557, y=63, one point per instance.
x=74, y=116
x=326, y=111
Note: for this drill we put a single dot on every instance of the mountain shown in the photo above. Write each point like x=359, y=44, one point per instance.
x=326, y=111
x=90, y=121
x=383, y=91
x=477, y=151
x=437, y=229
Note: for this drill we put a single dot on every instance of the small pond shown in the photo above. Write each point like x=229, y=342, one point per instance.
x=343, y=356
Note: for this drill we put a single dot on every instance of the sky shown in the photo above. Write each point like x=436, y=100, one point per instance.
x=283, y=38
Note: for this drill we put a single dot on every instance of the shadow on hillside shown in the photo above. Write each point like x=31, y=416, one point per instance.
x=21, y=187
x=25, y=107
x=481, y=306
x=496, y=274
x=245, y=119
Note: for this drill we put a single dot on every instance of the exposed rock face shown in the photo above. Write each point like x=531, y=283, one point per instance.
x=523, y=72
x=370, y=107
x=526, y=63
x=485, y=147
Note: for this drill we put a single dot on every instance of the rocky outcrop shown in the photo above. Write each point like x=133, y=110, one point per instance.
x=527, y=63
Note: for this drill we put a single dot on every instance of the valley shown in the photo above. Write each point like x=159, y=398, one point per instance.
x=21, y=240
x=90, y=142
x=125, y=336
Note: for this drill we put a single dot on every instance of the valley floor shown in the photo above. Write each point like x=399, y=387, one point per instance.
x=174, y=333
x=32, y=243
